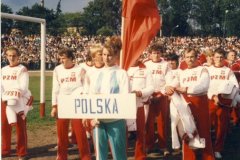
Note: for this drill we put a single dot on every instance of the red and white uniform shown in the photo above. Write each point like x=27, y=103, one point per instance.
x=197, y=82
x=16, y=77
x=140, y=79
x=159, y=108
x=14, y=92
x=235, y=114
x=65, y=82
x=219, y=115
x=217, y=76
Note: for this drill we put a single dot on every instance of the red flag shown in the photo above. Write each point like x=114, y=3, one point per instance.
x=141, y=24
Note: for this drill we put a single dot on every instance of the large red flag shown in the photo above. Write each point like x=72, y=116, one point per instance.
x=141, y=24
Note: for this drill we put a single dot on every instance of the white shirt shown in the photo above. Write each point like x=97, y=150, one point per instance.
x=85, y=66
x=92, y=77
x=217, y=76
x=109, y=80
x=16, y=77
x=172, y=79
x=140, y=79
x=66, y=81
x=195, y=79
x=159, y=72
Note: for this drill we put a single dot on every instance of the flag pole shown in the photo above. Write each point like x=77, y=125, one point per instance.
x=97, y=141
x=122, y=30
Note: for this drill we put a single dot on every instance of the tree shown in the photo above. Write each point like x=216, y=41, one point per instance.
x=230, y=17
x=164, y=8
x=105, y=31
x=175, y=15
x=233, y=23
x=6, y=24
x=205, y=13
x=100, y=13
x=58, y=9
x=73, y=19
x=39, y=12
x=217, y=16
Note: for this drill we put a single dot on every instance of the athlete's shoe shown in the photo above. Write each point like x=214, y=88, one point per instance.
x=218, y=155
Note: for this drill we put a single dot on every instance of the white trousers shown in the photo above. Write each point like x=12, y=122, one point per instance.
x=182, y=122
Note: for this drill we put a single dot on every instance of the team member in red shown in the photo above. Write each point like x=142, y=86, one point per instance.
x=193, y=85
x=232, y=63
x=159, y=102
x=87, y=65
x=141, y=84
x=68, y=78
x=219, y=114
x=14, y=76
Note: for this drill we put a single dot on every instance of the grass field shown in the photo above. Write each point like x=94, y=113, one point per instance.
x=34, y=119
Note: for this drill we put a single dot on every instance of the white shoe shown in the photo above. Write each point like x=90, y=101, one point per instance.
x=218, y=155
x=197, y=142
x=166, y=152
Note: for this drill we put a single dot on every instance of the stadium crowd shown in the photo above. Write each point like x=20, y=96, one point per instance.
x=29, y=46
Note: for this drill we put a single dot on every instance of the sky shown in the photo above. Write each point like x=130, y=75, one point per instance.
x=66, y=5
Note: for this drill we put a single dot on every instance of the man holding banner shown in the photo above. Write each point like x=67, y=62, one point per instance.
x=68, y=78
x=110, y=80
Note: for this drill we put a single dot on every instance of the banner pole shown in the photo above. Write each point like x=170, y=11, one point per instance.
x=121, y=54
x=97, y=141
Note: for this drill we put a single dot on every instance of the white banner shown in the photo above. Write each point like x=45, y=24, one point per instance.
x=100, y=106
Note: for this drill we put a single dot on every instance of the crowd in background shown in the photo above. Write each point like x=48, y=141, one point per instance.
x=29, y=47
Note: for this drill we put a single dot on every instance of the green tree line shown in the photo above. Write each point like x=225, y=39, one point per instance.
x=103, y=17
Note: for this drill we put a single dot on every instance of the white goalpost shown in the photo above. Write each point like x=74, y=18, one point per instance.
x=42, y=57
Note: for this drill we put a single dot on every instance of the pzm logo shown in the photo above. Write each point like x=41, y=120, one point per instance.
x=190, y=79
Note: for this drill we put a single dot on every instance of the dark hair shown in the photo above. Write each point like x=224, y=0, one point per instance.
x=157, y=47
x=220, y=51
x=173, y=57
x=14, y=49
x=66, y=51
x=189, y=49
x=113, y=45
x=88, y=58
x=235, y=52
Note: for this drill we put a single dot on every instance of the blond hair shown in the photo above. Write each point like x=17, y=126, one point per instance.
x=95, y=48
x=12, y=48
x=208, y=53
